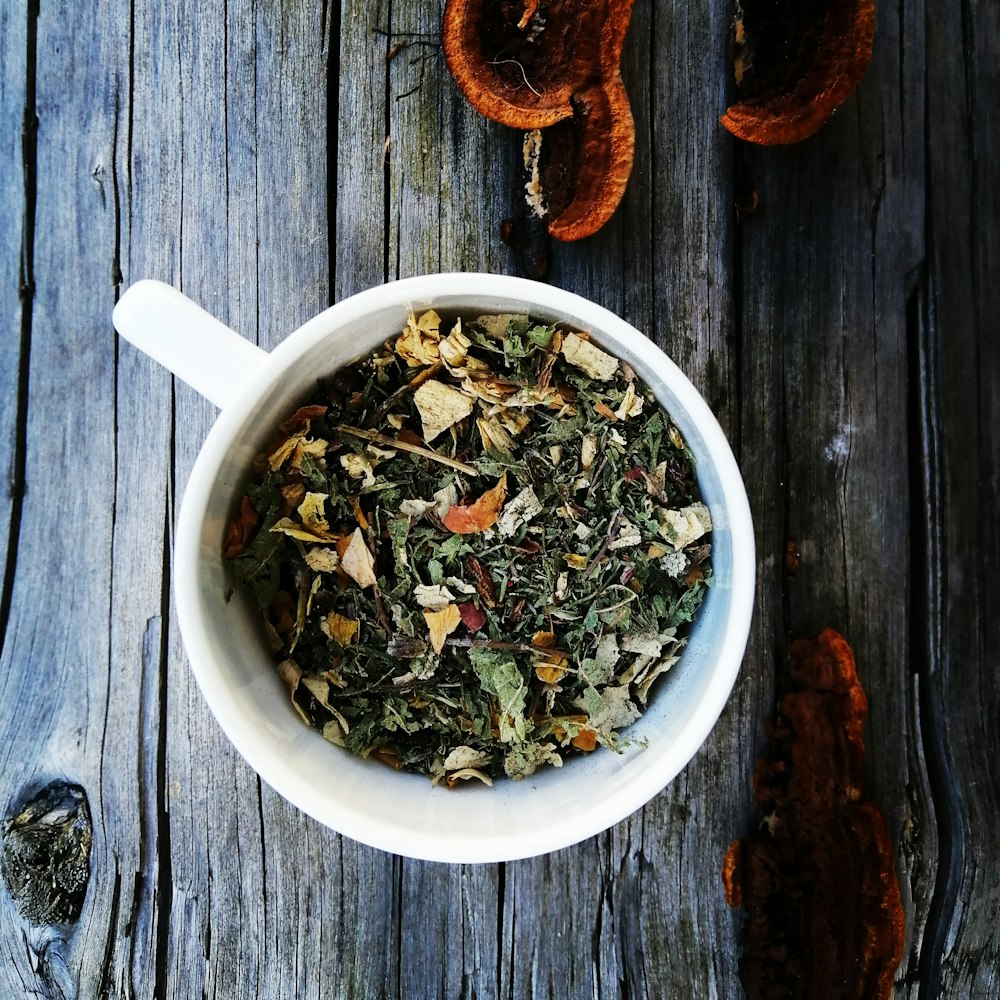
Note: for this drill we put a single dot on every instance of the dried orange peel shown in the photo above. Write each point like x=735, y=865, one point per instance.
x=553, y=66
x=795, y=65
x=818, y=882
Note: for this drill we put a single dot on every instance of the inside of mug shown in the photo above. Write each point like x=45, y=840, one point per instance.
x=365, y=798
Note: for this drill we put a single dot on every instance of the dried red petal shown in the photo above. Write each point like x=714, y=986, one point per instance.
x=483, y=582
x=633, y=474
x=528, y=546
x=410, y=437
x=240, y=531
x=469, y=519
x=302, y=418
x=473, y=618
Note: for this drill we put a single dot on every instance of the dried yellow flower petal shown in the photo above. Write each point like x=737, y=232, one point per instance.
x=359, y=467
x=550, y=673
x=441, y=624
x=417, y=345
x=494, y=436
x=455, y=347
x=283, y=452
x=339, y=628
x=287, y=526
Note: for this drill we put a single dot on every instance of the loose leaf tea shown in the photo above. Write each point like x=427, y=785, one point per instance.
x=476, y=550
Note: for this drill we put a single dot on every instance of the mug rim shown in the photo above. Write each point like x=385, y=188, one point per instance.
x=645, y=782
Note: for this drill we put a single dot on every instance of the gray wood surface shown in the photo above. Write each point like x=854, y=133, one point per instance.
x=270, y=158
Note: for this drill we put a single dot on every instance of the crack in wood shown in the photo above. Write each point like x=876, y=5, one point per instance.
x=26, y=293
x=927, y=561
x=164, y=870
x=331, y=62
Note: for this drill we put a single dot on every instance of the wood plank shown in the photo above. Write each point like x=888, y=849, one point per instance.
x=149, y=190
x=961, y=557
x=56, y=662
x=357, y=64
x=828, y=265
x=689, y=944
x=448, y=168
x=13, y=216
x=563, y=914
x=247, y=136
x=211, y=859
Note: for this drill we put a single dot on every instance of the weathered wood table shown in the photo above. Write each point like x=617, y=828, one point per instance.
x=269, y=158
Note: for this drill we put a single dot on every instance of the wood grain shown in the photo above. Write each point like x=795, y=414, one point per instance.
x=845, y=333
x=960, y=399
x=16, y=247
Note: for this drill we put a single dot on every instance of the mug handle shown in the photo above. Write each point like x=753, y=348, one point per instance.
x=213, y=359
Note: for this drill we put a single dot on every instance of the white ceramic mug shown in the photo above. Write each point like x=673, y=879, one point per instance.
x=366, y=800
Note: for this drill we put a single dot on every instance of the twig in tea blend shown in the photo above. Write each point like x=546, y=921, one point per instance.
x=479, y=551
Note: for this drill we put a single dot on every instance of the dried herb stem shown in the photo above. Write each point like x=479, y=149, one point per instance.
x=388, y=442
x=597, y=475
x=608, y=539
x=514, y=647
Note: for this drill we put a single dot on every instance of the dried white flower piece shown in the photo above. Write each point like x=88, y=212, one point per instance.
x=359, y=467
x=518, y=511
x=440, y=407
x=465, y=756
x=321, y=559
x=433, y=596
x=465, y=774
x=682, y=527
x=631, y=404
x=628, y=537
x=596, y=363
